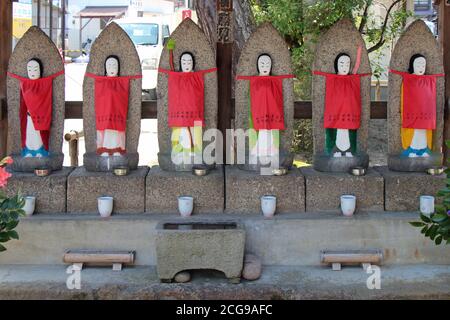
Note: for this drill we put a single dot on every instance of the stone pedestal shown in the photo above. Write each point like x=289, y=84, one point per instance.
x=323, y=162
x=323, y=190
x=244, y=190
x=164, y=187
x=83, y=189
x=50, y=191
x=403, y=189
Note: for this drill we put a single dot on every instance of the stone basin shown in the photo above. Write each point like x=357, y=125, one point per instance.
x=190, y=245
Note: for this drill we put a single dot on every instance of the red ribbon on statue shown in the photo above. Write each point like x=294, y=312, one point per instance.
x=186, y=97
x=419, y=100
x=111, y=101
x=342, y=100
x=36, y=100
x=266, y=101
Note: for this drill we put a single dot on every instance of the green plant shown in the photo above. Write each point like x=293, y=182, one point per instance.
x=10, y=208
x=437, y=226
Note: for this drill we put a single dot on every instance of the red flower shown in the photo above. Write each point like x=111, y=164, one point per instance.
x=4, y=176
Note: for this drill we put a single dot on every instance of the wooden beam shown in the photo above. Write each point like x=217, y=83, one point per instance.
x=302, y=109
x=224, y=61
x=6, y=18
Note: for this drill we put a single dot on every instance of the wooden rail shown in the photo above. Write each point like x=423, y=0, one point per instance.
x=99, y=257
x=302, y=109
x=349, y=257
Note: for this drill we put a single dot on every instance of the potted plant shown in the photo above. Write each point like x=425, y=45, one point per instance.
x=10, y=208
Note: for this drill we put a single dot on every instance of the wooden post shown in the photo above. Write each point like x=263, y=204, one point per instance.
x=50, y=25
x=63, y=30
x=224, y=59
x=6, y=15
x=444, y=40
x=38, y=13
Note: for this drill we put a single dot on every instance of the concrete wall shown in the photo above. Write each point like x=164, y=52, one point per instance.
x=289, y=239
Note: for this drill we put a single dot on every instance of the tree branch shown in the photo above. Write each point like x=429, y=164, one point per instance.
x=364, y=17
x=383, y=28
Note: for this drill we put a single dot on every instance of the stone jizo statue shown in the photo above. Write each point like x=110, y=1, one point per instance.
x=35, y=109
x=342, y=114
x=266, y=111
x=111, y=108
x=418, y=108
x=186, y=110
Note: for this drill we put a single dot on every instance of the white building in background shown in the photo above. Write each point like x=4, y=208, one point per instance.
x=95, y=17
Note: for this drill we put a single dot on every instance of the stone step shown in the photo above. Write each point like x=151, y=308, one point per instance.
x=288, y=239
x=277, y=282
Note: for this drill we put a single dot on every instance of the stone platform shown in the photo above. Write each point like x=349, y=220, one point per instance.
x=83, y=189
x=276, y=282
x=403, y=189
x=50, y=191
x=323, y=190
x=287, y=239
x=244, y=190
x=164, y=187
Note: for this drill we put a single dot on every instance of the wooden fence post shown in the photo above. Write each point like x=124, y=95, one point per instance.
x=6, y=15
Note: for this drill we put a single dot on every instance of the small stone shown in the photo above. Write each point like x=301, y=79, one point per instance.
x=182, y=277
x=252, y=267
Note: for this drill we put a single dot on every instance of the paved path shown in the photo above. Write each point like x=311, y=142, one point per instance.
x=397, y=282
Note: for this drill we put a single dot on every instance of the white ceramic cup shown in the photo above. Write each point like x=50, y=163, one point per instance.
x=105, y=206
x=348, y=204
x=185, y=205
x=426, y=205
x=268, y=205
x=30, y=204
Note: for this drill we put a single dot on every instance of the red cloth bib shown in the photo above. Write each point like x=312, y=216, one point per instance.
x=419, y=100
x=266, y=99
x=186, y=97
x=36, y=99
x=342, y=100
x=111, y=101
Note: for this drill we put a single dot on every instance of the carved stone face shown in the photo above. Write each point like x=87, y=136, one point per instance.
x=419, y=66
x=343, y=65
x=264, y=65
x=33, y=70
x=187, y=63
x=112, y=67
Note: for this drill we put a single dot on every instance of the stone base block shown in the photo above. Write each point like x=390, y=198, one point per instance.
x=326, y=163
x=29, y=164
x=244, y=190
x=94, y=162
x=403, y=189
x=419, y=164
x=285, y=160
x=50, y=191
x=83, y=189
x=323, y=190
x=164, y=187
